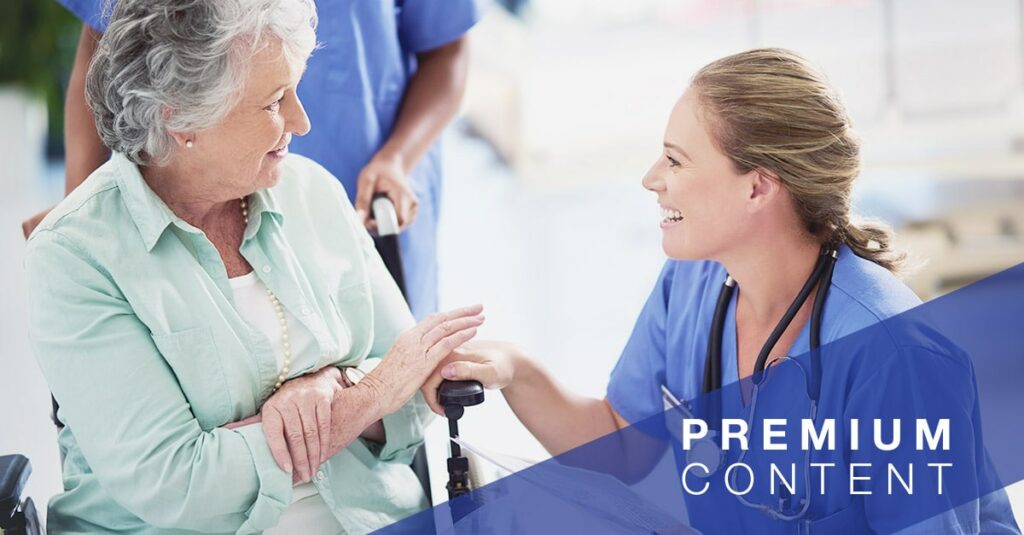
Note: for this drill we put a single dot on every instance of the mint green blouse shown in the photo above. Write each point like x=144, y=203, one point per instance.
x=132, y=322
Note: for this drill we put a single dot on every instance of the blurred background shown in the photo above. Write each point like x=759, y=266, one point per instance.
x=543, y=218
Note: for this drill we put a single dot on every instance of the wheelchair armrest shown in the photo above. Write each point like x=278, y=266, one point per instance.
x=14, y=472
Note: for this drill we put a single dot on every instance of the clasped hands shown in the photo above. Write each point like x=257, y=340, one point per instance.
x=308, y=419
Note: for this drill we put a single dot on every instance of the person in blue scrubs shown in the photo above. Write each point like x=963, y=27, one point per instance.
x=388, y=78
x=754, y=182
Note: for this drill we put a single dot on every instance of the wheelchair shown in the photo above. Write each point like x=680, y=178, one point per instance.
x=19, y=516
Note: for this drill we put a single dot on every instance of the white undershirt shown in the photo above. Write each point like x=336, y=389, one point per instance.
x=253, y=304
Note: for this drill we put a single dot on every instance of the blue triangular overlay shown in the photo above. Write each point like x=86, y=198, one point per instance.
x=959, y=358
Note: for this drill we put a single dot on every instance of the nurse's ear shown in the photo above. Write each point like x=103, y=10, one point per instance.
x=764, y=188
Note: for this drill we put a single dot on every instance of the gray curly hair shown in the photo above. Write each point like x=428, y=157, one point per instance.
x=167, y=66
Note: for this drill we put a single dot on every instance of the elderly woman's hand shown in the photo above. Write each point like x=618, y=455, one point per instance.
x=297, y=418
x=297, y=421
x=417, y=352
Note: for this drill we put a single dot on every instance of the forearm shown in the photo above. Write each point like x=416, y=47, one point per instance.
x=432, y=98
x=558, y=418
x=355, y=412
x=85, y=150
x=375, y=431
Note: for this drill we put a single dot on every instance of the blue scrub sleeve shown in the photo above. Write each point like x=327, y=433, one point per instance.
x=428, y=24
x=91, y=12
x=930, y=383
x=634, y=387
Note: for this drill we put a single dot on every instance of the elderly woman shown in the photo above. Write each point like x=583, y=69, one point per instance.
x=193, y=302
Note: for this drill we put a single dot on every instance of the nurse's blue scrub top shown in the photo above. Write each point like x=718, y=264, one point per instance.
x=668, y=347
x=352, y=91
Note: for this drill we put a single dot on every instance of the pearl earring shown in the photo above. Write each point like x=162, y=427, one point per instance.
x=188, y=143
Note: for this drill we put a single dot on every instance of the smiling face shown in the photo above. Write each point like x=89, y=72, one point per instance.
x=242, y=153
x=705, y=201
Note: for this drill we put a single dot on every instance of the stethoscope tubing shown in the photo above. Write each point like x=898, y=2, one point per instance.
x=821, y=276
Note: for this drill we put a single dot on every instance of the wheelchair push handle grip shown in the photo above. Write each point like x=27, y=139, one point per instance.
x=460, y=393
x=384, y=213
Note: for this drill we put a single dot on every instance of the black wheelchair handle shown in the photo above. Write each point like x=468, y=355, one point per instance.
x=460, y=393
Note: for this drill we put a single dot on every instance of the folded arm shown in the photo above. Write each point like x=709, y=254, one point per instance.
x=385, y=407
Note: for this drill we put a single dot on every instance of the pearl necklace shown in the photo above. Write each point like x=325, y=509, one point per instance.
x=279, y=310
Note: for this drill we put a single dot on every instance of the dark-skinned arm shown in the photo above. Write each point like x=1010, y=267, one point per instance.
x=432, y=98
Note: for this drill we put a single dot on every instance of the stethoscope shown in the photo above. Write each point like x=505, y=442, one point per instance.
x=707, y=452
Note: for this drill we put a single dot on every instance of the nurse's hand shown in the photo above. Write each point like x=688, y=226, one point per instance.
x=490, y=362
x=386, y=174
x=297, y=421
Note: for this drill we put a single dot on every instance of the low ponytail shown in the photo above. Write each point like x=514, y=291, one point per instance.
x=872, y=240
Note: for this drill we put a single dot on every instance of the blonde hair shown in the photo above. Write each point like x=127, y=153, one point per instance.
x=770, y=109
